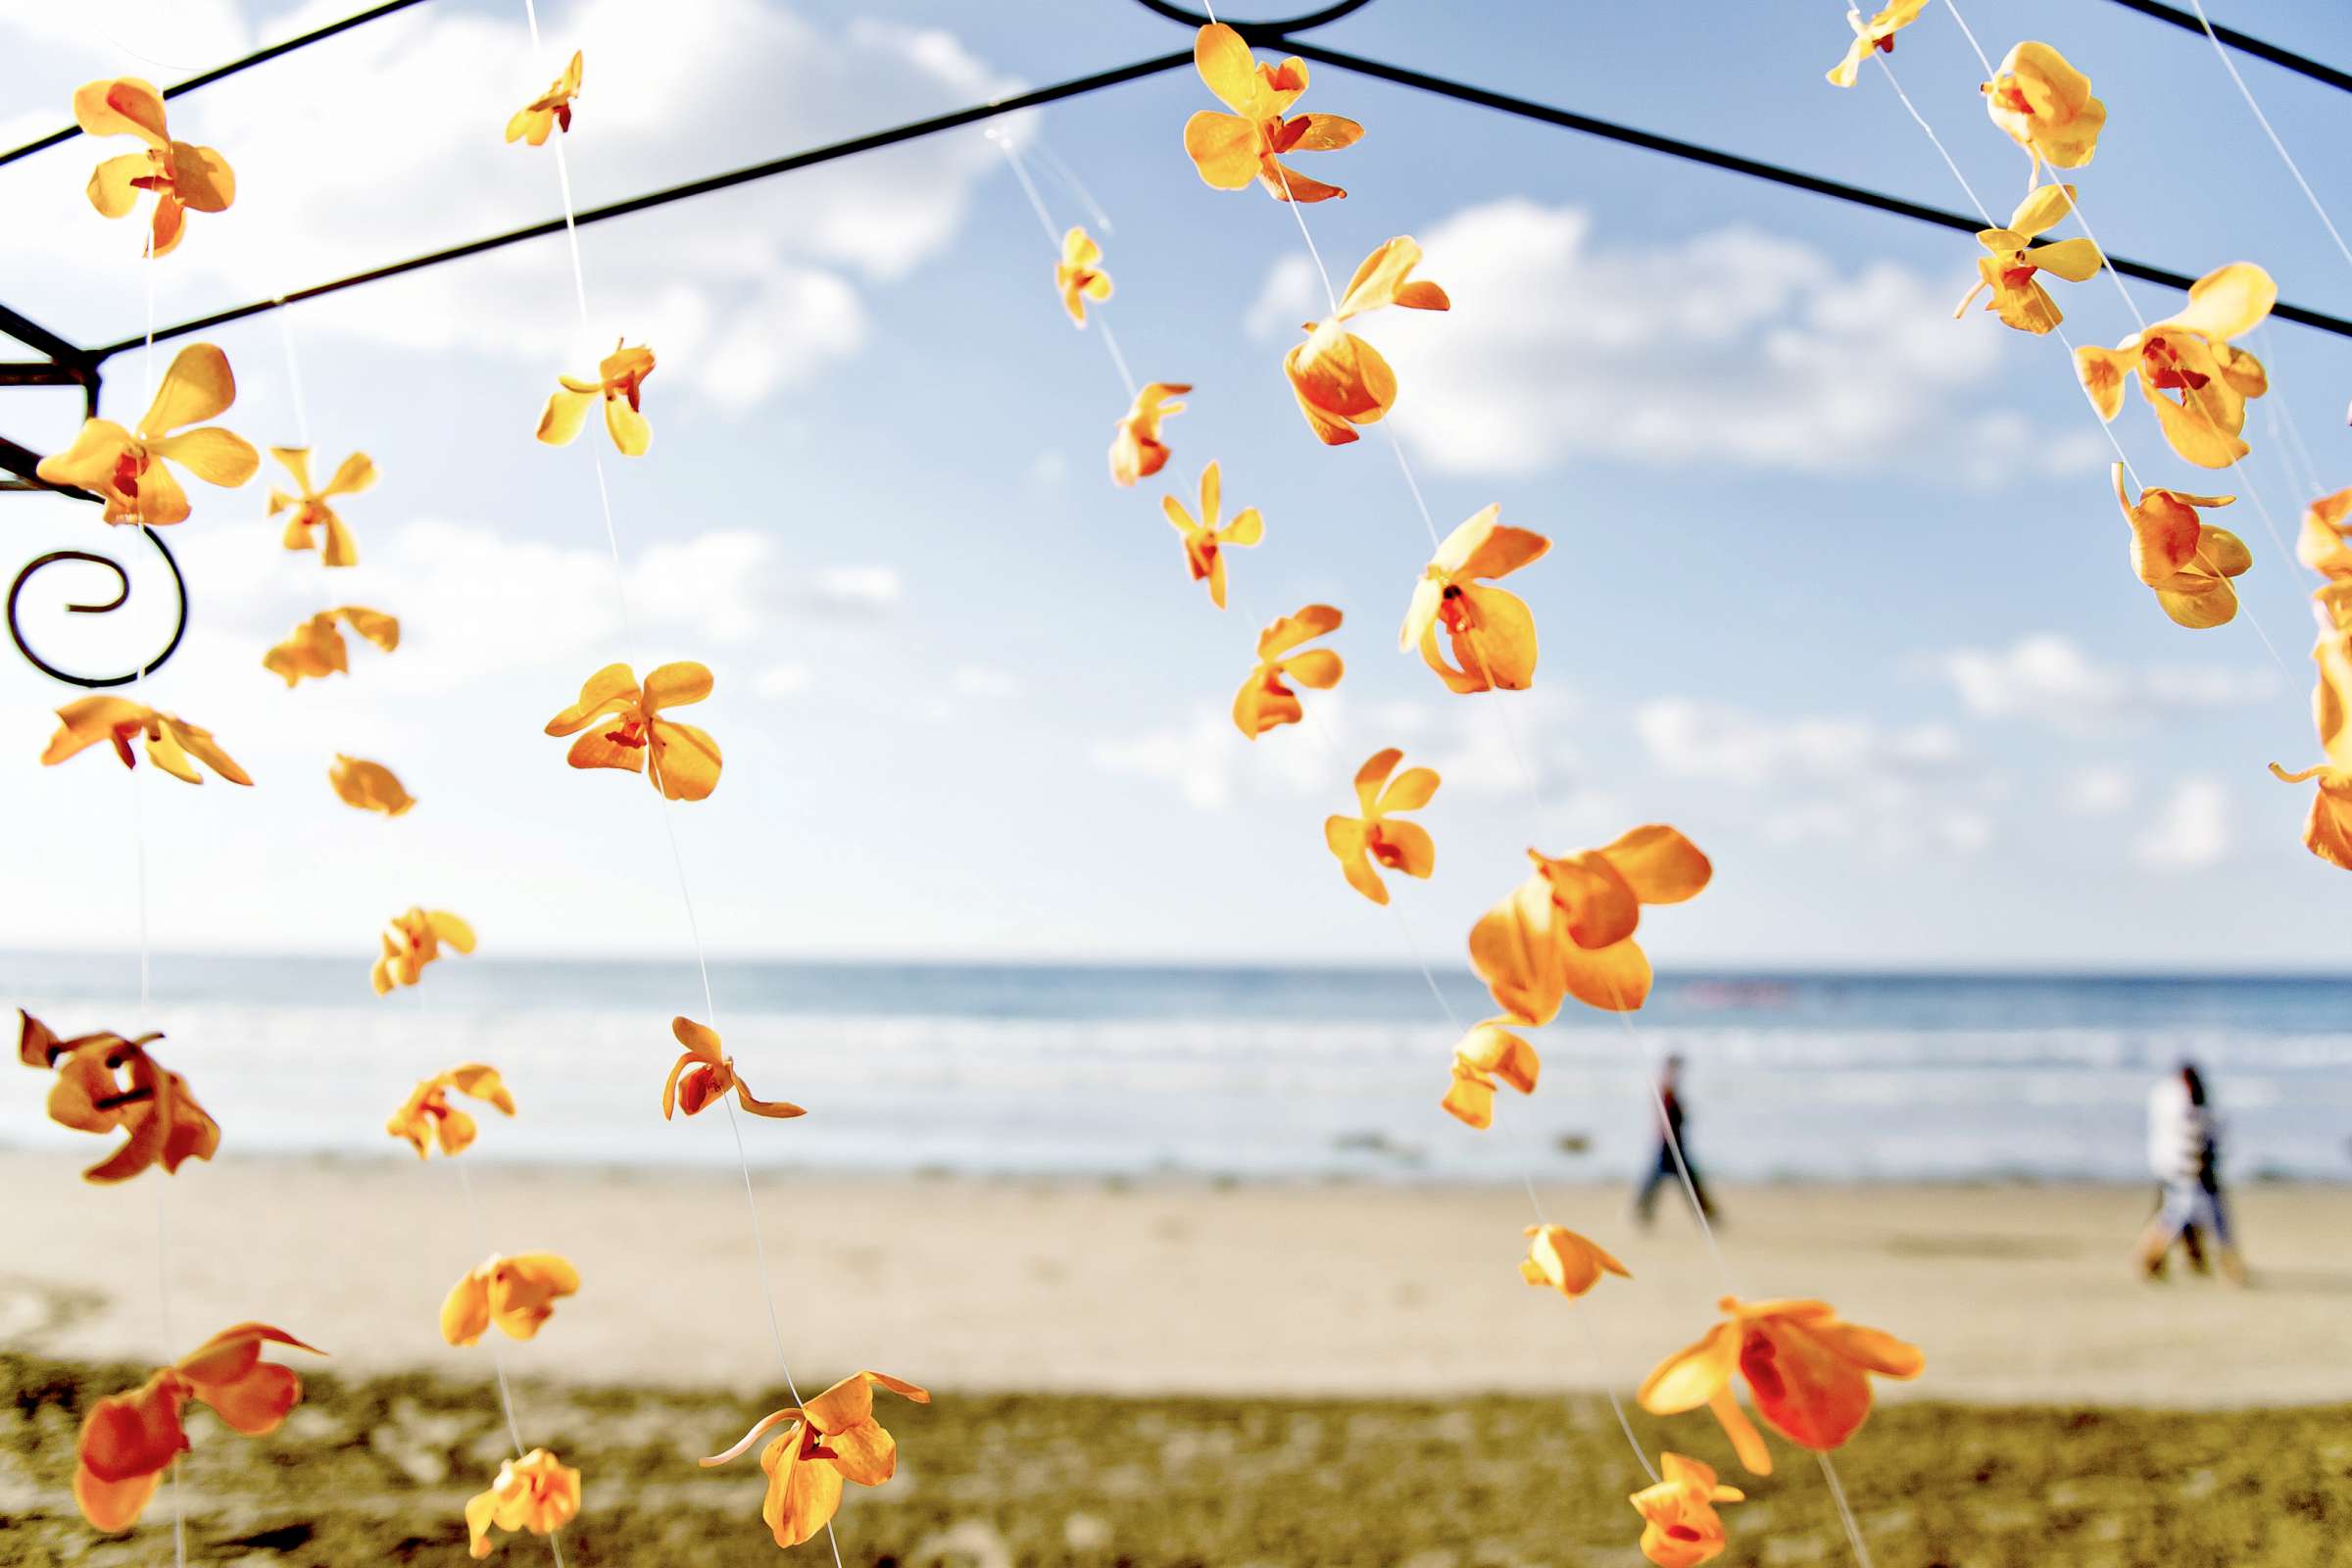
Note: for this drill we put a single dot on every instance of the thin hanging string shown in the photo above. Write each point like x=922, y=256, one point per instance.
x=2264, y=120
x=1069, y=176
x=302, y=412
x=1045, y=220
x=2282, y=420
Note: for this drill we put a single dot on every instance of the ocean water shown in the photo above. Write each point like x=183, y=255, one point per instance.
x=1232, y=1072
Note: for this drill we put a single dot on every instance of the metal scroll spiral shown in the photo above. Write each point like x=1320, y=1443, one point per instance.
x=179, y=626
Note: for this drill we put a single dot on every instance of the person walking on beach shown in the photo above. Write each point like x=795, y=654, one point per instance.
x=1671, y=1137
x=2185, y=1153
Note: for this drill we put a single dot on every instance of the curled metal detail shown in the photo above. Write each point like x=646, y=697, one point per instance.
x=179, y=628
x=1297, y=23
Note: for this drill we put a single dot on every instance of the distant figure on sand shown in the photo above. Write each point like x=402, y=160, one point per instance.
x=2184, y=1155
x=1671, y=1137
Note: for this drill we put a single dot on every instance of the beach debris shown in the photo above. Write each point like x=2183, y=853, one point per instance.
x=1232, y=150
x=164, y=1123
x=550, y=111
x=182, y=177
x=314, y=649
x=2188, y=562
x=2044, y=105
x=426, y=1117
x=1204, y=539
x=2326, y=547
x=2013, y=259
x=624, y=724
x=1136, y=449
x=368, y=786
x=316, y=526
x=1876, y=34
x=517, y=1294
x=1489, y=1054
x=171, y=741
x=1342, y=381
x=834, y=1437
x=1568, y=929
x=702, y=1074
x=1264, y=702
x=130, y=1439
x=1569, y=1263
x=2191, y=354
x=1491, y=629
x=130, y=469
x=1079, y=276
x=413, y=940
x=536, y=1492
x=1680, y=1526
x=620, y=383
x=1360, y=841
x=1807, y=1369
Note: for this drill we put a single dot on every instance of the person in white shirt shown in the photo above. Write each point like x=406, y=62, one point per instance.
x=2184, y=1154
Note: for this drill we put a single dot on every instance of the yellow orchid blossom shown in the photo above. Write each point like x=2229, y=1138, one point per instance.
x=533, y=121
x=173, y=743
x=2190, y=355
x=1568, y=929
x=368, y=786
x=314, y=649
x=1359, y=841
x=2046, y=106
x=127, y=467
x=624, y=724
x=316, y=526
x=1136, y=449
x=2009, y=269
x=831, y=1439
x=1207, y=537
x=537, y=1493
x=1342, y=381
x=1876, y=34
x=620, y=383
x=1679, y=1528
x=2188, y=562
x=1558, y=1258
x=162, y=1121
x=1493, y=631
x=426, y=1117
x=2325, y=546
x=704, y=1074
x=182, y=177
x=413, y=940
x=518, y=1295
x=1232, y=150
x=1079, y=276
x=1489, y=1054
x=1264, y=701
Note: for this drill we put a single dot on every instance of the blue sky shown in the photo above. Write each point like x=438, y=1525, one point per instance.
x=1838, y=586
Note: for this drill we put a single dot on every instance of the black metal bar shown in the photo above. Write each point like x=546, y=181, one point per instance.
x=23, y=460
x=1794, y=179
x=2245, y=43
x=33, y=335
x=1313, y=18
x=179, y=626
x=207, y=78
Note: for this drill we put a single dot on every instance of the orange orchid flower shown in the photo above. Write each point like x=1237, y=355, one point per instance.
x=171, y=741
x=1206, y=538
x=130, y=1439
x=1493, y=631
x=2046, y=106
x=517, y=1294
x=831, y=1439
x=127, y=468
x=426, y=1117
x=413, y=941
x=1342, y=381
x=314, y=649
x=316, y=526
x=2188, y=562
x=703, y=1073
x=624, y=723
x=537, y=1493
x=1359, y=841
x=1807, y=1370
x=368, y=786
x=1571, y=1264
x=1568, y=929
x=1136, y=449
x=2013, y=259
x=1486, y=1055
x=1876, y=34
x=620, y=383
x=535, y=120
x=181, y=176
x=1679, y=1528
x=2190, y=355
x=1264, y=701
x=2325, y=546
x=2326, y=543
x=164, y=1124
x=1079, y=274
x=1232, y=150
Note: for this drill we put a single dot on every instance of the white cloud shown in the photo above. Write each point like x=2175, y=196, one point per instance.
x=2046, y=679
x=1049, y=469
x=856, y=588
x=2192, y=831
x=2097, y=791
x=991, y=685
x=1734, y=345
x=1196, y=756
x=782, y=680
